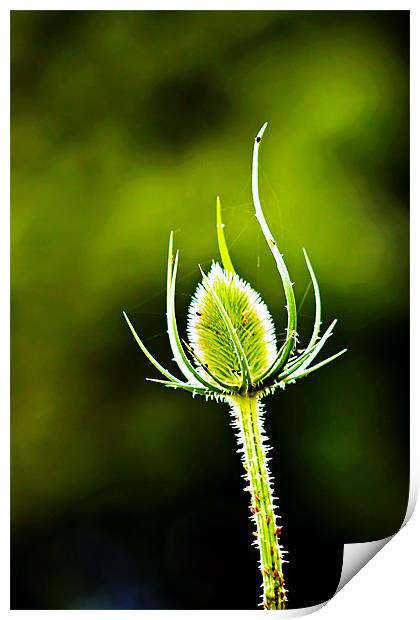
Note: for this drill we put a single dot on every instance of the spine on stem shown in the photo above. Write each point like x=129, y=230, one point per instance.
x=247, y=420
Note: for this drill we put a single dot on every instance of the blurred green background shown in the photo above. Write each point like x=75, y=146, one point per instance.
x=126, y=125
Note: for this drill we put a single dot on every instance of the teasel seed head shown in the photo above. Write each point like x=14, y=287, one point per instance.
x=249, y=317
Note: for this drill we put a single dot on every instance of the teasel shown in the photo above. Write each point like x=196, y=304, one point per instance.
x=232, y=356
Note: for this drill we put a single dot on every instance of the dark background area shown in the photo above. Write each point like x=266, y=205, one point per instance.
x=126, y=125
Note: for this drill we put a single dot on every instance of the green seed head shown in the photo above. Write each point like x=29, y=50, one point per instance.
x=251, y=321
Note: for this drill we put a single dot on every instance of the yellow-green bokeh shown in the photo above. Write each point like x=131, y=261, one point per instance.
x=126, y=125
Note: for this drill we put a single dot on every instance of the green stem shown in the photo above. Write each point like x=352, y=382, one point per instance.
x=247, y=415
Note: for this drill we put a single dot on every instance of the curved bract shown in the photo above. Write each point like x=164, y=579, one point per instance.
x=232, y=347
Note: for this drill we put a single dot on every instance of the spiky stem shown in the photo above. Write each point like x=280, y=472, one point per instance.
x=248, y=421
